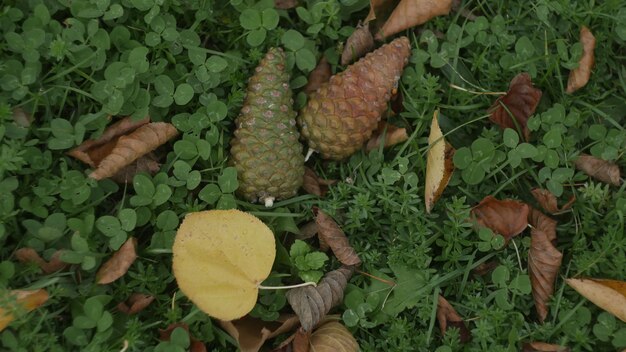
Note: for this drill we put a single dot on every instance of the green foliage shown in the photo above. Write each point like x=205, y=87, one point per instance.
x=307, y=263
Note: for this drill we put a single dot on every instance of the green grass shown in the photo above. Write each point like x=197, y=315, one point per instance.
x=54, y=59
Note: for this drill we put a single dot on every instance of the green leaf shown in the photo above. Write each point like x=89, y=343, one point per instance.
x=292, y=40
x=210, y=193
x=143, y=185
x=228, y=180
x=299, y=248
x=161, y=194
x=167, y=220
x=256, y=37
x=184, y=94
x=128, y=219
x=462, y=158
x=250, y=19
x=315, y=260
x=227, y=201
x=553, y=139
x=510, y=138
x=305, y=60
x=269, y=19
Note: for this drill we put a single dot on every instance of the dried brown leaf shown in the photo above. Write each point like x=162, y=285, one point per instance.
x=336, y=239
x=380, y=11
x=505, y=217
x=333, y=337
x=29, y=255
x=447, y=316
x=439, y=165
x=285, y=4
x=609, y=295
x=390, y=134
x=410, y=13
x=135, y=303
x=579, y=76
x=307, y=230
x=311, y=304
x=358, y=44
x=195, y=346
x=251, y=333
x=22, y=118
x=118, y=264
x=544, y=260
x=315, y=185
x=543, y=347
x=521, y=100
x=17, y=302
x=301, y=341
x=486, y=267
x=548, y=202
x=320, y=75
x=147, y=163
x=599, y=169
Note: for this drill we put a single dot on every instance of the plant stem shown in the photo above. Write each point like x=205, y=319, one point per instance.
x=311, y=283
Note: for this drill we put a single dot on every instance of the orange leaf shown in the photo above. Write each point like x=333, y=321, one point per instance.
x=548, y=202
x=391, y=135
x=411, y=13
x=18, y=302
x=579, y=76
x=135, y=303
x=599, y=169
x=358, y=44
x=439, y=165
x=521, y=100
x=609, y=295
x=119, y=263
x=320, y=75
x=335, y=238
x=506, y=217
x=543, y=347
x=315, y=185
x=251, y=333
x=447, y=316
x=29, y=255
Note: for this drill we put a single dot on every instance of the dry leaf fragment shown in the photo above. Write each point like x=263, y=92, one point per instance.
x=548, y=202
x=311, y=304
x=380, y=11
x=22, y=118
x=147, y=163
x=358, y=44
x=505, y=217
x=333, y=337
x=301, y=341
x=251, y=333
x=307, y=230
x=579, y=76
x=119, y=263
x=315, y=185
x=544, y=260
x=285, y=4
x=439, y=165
x=520, y=100
x=320, y=75
x=335, y=238
x=599, y=169
x=18, y=302
x=391, y=135
x=537, y=346
x=195, y=346
x=411, y=13
x=29, y=255
x=135, y=303
x=609, y=295
x=447, y=316
x=486, y=268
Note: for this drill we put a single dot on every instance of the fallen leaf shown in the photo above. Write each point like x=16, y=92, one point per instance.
x=410, y=13
x=439, y=165
x=320, y=75
x=135, y=303
x=29, y=255
x=599, y=169
x=358, y=44
x=22, y=118
x=579, y=76
x=609, y=295
x=307, y=230
x=315, y=185
x=380, y=11
x=543, y=347
x=311, y=304
x=147, y=163
x=251, y=333
x=195, y=344
x=447, y=316
x=505, y=217
x=285, y=4
x=118, y=264
x=486, y=268
x=333, y=337
x=544, y=260
x=521, y=100
x=301, y=341
x=220, y=257
x=18, y=302
x=548, y=201
x=391, y=135
x=335, y=238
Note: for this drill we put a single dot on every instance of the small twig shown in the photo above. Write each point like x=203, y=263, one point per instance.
x=390, y=283
x=311, y=283
x=452, y=85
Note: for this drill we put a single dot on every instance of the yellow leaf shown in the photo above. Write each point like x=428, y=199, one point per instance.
x=609, y=295
x=20, y=301
x=333, y=337
x=439, y=166
x=220, y=258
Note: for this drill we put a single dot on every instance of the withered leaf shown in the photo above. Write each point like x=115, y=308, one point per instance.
x=307, y=230
x=119, y=263
x=320, y=75
x=439, y=165
x=543, y=347
x=358, y=44
x=285, y=4
x=609, y=295
x=315, y=185
x=521, y=100
x=379, y=12
x=486, y=267
x=251, y=333
x=22, y=118
x=332, y=336
x=17, y=302
x=579, y=76
x=147, y=163
x=391, y=135
x=336, y=239
x=195, y=346
x=135, y=303
x=411, y=13
x=447, y=316
x=505, y=217
x=301, y=341
x=544, y=261
x=599, y=169
x=548, y=201
x=311, y=304
x=29, y=255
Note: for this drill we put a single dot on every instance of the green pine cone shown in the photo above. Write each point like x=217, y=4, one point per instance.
x=265, y=149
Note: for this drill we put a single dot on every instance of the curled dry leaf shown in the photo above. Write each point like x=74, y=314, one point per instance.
x=439, y=165
x=358, y=44
x=447, y=316
x=579, y=76
x=333, y=337
x=119, y=263
x=29, y=255
x=548, y=202
x=599, y=169
x=320, y=75
x=390, y=134
x=609, y=295
x=505, y=217
x=335, y=238
x=379, y=12
x=520, y=101
x=311, y=304
x=195, y=346
x=251, y=333
x=285, y=4
x=543, y=347
x=411, y=13
x=315, y=185
x=135, y=303
x=307, y=230
x=18, y=302
x=544, y=260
